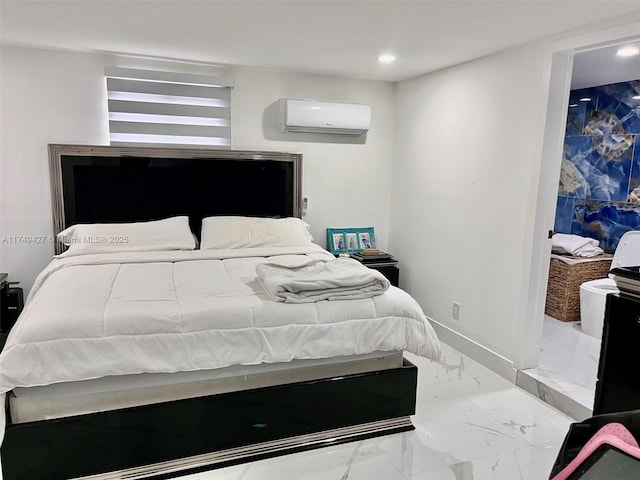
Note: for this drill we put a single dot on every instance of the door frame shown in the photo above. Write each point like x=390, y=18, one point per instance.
x=544, y=184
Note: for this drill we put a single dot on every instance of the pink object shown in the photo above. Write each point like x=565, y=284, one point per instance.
x=614, y=434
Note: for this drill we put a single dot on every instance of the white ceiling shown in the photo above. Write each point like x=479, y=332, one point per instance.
x=331, y=37
x=602, y=66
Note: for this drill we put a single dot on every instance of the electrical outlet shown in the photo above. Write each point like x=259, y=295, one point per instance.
x=456, y=311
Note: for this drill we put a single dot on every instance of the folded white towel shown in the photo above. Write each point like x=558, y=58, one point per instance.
x=339, y=279
x=576, y=245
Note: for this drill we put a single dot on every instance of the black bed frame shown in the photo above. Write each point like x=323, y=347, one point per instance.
x=170, y=439
x=185, y=436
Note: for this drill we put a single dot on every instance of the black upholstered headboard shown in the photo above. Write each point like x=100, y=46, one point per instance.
x=93, y=184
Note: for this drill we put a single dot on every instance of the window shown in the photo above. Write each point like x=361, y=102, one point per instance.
x=167, y=108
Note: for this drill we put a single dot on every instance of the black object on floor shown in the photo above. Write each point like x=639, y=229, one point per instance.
x=581, y=432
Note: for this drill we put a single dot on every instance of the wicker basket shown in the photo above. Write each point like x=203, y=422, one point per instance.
x=566, y=273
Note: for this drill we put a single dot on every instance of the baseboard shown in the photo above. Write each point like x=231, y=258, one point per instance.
x=481, y=354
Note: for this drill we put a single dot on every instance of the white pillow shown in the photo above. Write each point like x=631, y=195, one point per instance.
x=168, y=234
x=249, y=232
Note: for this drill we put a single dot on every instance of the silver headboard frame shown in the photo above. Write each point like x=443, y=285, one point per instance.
x=57, y=151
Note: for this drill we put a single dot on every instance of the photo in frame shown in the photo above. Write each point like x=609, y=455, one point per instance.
x=338, y=242
x=350, y=240
x=365, y=240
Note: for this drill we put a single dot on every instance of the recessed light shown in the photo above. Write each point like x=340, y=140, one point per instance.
x=387, y=58
x=629, y=51
x=585, y=99
x=573, y=105
x=636, y=97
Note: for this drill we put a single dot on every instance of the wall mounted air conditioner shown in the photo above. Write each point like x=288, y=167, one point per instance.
x=310, y=116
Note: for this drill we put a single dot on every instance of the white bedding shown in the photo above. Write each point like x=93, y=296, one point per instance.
x=151, y=312
x=315, y=280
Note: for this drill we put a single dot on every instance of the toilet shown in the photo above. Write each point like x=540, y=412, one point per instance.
x=593, y=294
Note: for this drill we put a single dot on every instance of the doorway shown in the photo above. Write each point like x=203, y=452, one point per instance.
x=557, y=361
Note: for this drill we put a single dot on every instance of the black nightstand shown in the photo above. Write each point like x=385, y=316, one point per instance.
x=11, y=303
x=383, y=262
x=618, y=385
x=4, y=286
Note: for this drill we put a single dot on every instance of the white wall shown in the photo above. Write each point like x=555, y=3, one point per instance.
x=346, y=179
x=50, y=96
x=45, y=97
x=477, y=148
x=464, y=160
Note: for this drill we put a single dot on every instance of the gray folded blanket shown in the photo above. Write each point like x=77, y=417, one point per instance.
x=315, y=280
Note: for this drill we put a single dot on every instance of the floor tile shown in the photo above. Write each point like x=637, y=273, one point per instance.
x=530, y=463
x=210, y=475
x=545, y=390
x=362, y=460
x=568, y=361
x=453, y=366
x=450, y=434
x=411, y=452
x=529, y=417
x=471, y=424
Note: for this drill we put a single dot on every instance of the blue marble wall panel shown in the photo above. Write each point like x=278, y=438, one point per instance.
x=634, y=183
x=580, y=110
x=577, y=216
x=569, y=215
x=564, y=214
x=608, y=221
x=600, y=174
x=608, y=179
x=576, y=166
x=617, y=101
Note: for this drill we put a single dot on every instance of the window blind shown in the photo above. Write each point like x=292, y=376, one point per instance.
x=167, y=108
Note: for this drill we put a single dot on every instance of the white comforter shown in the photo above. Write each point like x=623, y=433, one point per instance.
x=115, y=314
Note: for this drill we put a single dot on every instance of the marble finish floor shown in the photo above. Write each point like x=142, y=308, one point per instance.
x=471, y=424
x=568, y=364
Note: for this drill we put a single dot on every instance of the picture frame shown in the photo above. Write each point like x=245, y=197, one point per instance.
x=350, y=240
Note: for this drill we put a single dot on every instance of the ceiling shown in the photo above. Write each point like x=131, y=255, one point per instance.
x=602, y=66
x=329, y=37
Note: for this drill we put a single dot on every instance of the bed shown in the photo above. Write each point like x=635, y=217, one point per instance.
x=168, y=360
